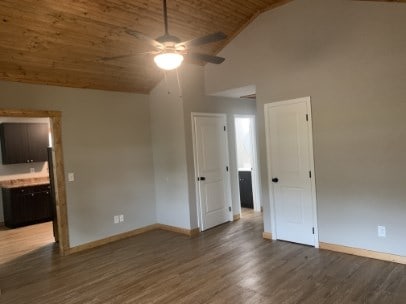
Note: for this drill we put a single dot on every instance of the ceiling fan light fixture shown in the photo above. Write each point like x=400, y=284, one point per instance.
x=168, y=61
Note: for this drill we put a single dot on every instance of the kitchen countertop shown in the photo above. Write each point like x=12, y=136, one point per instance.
x=24, y=182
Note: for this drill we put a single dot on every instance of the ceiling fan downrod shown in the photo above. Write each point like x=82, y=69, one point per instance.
x=166, y=18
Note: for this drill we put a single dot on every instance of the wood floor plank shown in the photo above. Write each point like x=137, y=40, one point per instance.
x=231, y=263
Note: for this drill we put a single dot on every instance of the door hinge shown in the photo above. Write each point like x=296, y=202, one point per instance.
x=229, y=208
x=225, y=128
x=313, y=230
x=310, y=174
x=227, y=168
x=307, y=117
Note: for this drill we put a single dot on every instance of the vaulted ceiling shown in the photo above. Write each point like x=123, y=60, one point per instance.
x=63, y=42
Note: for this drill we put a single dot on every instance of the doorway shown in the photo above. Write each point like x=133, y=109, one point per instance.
x=58, y=183
x=212, y=177
x=247, y=162
x=291, y=171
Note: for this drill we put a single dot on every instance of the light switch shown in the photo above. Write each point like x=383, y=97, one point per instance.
x=71, y=177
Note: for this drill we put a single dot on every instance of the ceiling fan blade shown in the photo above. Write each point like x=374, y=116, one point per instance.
x=141, y=36
x=205, y=57
x=127, y=55
x=204, y=40
x=116, y=57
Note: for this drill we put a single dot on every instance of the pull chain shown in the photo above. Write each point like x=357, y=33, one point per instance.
x=179, y=84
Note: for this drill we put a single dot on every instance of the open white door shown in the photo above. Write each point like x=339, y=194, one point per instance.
x=291, y=173
x=211, y=167
x=246, y=153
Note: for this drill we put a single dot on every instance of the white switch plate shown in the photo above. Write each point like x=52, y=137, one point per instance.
x=381, y=231
x=116, y=219
x=121, y=218
x=71, y=177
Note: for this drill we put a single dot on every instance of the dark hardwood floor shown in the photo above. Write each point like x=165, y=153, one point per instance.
x=228, y=264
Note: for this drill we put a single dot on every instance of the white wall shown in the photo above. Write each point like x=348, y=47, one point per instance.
x=350, y=57
x=244, y=143
x=168, y=138
x=107, y=144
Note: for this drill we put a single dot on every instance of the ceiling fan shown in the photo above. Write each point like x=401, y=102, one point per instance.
x=170, y=50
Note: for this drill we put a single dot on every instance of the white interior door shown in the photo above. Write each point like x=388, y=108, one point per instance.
x=211, y=159
x=291, y=169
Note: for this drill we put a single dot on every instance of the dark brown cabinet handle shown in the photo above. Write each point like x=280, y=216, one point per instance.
x=275, y=180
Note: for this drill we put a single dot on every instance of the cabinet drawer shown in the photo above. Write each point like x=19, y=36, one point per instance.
x=31, y=189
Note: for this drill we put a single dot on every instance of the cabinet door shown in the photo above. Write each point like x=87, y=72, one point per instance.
x=24, y=142
x=246, y=196
x=13, y=143
x=17, y=212
x=38, y=142
x=39, y=206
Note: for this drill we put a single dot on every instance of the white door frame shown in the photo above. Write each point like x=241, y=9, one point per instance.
x=255, y=177
x=198, y=202
x=267, y=106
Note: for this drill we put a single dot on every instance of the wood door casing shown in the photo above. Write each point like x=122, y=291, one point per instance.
x=60, y=199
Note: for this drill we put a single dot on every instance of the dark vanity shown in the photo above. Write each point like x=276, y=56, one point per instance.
x=26, y=205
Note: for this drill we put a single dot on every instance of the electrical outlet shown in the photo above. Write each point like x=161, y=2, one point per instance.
x=121, y=218
x=382, y=231
x=116, y=219
x=71, y=176
x=32, y=170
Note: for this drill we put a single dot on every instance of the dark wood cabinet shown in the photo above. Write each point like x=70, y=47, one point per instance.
x=246, y=195
x=26, y=205
x=24, y=142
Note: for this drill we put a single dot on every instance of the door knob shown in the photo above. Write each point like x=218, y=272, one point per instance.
x=275, y=180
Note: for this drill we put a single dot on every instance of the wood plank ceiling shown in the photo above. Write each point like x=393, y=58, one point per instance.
x=62, y=42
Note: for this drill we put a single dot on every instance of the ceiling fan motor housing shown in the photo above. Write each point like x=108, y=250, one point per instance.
x=168, y=38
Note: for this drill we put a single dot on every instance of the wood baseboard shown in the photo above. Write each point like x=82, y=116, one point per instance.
x=236, y=217
x=364, y=253
x=188, y=232
x=113, y=238
x=267, y=235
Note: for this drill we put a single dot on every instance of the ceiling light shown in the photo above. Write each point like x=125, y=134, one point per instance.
x=168, y=61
